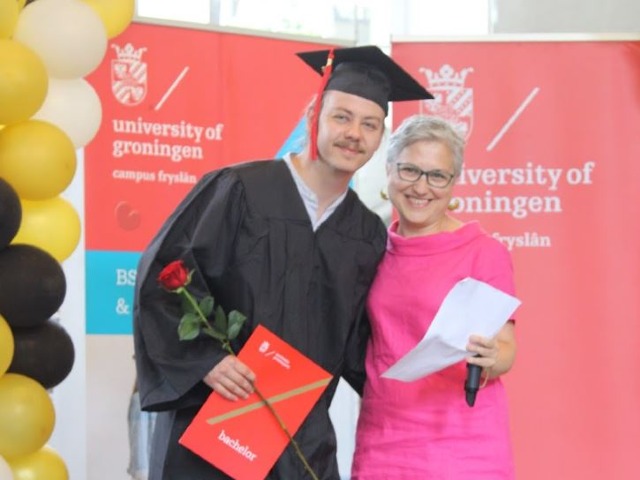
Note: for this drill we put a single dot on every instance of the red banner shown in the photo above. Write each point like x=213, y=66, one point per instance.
x=176, y=103
x=552, y=166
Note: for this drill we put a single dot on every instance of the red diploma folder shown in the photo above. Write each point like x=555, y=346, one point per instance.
x=243, y=438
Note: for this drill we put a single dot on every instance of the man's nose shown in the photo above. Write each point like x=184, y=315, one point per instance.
x=354, y=130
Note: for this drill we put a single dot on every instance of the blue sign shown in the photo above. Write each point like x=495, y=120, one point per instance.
x=110, y=280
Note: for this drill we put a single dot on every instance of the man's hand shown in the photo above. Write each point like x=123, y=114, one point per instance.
x=231, y=378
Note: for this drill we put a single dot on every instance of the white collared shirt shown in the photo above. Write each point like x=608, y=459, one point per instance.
x=309, y=197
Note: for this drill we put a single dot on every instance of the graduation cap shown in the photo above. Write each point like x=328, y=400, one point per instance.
x=363, y=71
x=367, y=72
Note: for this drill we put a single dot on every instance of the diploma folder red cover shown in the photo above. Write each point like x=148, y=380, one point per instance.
x=243, y=438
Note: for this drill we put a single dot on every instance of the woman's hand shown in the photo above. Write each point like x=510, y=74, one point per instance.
x=496, y=355
x=485, y=351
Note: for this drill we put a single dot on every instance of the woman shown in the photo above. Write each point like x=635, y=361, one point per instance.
x=424, y=429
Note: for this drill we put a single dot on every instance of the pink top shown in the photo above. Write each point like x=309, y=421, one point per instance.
x=424, y=429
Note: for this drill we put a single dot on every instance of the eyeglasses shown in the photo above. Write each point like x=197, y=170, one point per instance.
x=435, y=178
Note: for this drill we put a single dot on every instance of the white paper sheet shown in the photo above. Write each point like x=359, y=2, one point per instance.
x=470, y=307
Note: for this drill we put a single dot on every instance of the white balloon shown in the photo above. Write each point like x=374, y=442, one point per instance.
x=5, y=470
x=68, y=35
x=74, y=107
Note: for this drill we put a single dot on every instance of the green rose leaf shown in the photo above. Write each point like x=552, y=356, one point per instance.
x=189, y=327
x=206, y=306
x=220, y=321
x=236, y=320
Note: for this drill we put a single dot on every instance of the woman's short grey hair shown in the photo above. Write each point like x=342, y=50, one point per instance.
x=426, y=128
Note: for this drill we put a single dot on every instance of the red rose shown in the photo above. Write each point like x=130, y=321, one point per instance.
x=174, y=276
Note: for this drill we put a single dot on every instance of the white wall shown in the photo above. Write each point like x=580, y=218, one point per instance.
x=70, y=396
x=566, y=16
x=109, y=385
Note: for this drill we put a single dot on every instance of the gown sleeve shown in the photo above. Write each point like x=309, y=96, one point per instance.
x=201, y=232
x=354, y=371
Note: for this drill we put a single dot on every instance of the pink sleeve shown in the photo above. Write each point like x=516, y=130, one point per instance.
x=494, y=266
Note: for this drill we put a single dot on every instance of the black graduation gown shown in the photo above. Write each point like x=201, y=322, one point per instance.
x=247, y=234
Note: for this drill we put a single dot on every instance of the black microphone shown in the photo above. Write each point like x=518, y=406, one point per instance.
x=472, y=383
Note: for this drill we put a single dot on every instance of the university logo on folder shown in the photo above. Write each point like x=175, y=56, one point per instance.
x=243, y=438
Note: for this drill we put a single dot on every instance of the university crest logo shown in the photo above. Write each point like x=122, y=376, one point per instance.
x=129, y=75
x=452, y=101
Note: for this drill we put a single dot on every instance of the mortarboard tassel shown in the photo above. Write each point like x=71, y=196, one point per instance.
x=326, y=73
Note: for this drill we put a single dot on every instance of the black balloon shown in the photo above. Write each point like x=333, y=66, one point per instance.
x=44, y=353
x=32, y=285
x=10, y=213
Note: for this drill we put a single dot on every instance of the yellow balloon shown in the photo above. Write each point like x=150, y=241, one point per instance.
x=115, y=14
x=23, y=81
x=52, y=225
x=45, y=464
x=6, y=345
x=37, y=158
x=9, y=10
x=27, y=416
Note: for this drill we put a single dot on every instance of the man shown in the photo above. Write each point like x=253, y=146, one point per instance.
x=288, y=244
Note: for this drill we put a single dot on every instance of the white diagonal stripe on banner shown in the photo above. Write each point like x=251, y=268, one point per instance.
x=513, y=118
x=171, y=88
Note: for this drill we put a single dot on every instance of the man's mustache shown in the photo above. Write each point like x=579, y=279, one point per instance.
x=350, y=145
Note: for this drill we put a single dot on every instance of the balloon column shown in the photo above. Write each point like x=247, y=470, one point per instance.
x=47, y=112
